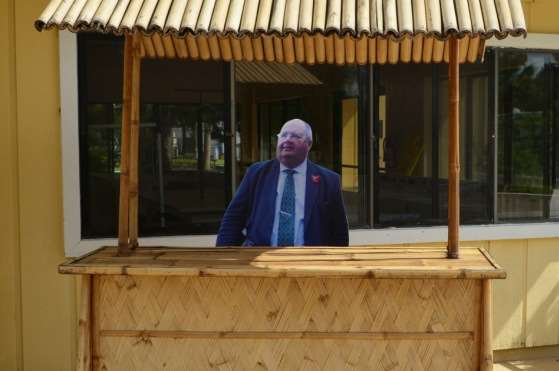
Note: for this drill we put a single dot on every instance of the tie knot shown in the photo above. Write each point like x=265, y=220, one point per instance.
x=289, y=171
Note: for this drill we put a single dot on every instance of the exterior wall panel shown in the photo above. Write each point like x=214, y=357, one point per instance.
x=10, y=293
x=34, y=244
x=541, y=15
x=542, y=302
x=509, y=295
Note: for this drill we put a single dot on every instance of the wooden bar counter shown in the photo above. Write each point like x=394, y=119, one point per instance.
x=357, y=308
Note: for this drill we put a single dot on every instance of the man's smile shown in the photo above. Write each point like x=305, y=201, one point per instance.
x=287, y=147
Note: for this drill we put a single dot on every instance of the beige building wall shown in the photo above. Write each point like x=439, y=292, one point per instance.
x=10, y=320
x=38, y=306
x=541, y=15
x=526, y=312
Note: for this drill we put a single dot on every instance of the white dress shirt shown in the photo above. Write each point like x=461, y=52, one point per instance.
x=300, y=180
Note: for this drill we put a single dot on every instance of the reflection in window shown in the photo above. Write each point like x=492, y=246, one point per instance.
x=327, y=97
x=182, y=142
x=186, y=166
x=350, y=145
x=528, y=140
x=412, y=129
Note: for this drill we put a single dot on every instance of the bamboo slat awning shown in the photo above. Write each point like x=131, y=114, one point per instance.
x=309, y=49
x=274, y=73
x=302, y=31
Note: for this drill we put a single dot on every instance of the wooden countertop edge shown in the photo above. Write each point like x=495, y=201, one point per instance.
x=74, y=266
x=281, y=273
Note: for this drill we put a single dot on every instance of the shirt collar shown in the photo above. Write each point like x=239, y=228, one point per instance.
x=301, y=169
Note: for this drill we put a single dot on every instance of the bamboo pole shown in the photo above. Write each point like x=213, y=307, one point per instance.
x=453, y=150
x=267, y=335
x=84, y=326
x=134, y=141
x=123, y=232
x=486, y=361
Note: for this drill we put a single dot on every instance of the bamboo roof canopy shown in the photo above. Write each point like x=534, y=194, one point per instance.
x=302, y=31
x=355, y=261
x=288, y=31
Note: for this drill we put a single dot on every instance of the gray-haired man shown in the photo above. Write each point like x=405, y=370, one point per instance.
x=288, y=201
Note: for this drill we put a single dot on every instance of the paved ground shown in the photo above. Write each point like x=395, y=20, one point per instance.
x=544, y=364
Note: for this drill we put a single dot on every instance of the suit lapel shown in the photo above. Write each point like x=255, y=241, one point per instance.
x=311, y=192
x=269, y=197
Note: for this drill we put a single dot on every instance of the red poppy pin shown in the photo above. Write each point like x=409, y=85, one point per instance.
x=315, y=178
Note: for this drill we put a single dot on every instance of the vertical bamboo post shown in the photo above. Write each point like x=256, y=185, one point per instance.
x=134, y=139
x=486, y=361
x=83, y=362
x=123, y=232
x=453, y=150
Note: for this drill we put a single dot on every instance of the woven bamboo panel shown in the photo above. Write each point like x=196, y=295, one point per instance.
x=242, y=323
x=291, y=355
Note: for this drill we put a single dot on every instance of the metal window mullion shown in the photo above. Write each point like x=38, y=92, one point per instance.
x=232, y=129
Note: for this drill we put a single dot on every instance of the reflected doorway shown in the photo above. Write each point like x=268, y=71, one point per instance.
x=327, y=97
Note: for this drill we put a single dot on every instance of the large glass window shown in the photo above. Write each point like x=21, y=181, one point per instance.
x=411, y=178
x=528, y=188
x=395, y=139
x=182, y=142
x=331, y=99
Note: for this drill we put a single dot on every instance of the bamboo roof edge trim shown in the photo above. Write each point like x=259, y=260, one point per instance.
x=355, y=35
x=372, y=18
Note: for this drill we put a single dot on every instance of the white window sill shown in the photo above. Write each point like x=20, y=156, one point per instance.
x=388, y=236
x=489, y=232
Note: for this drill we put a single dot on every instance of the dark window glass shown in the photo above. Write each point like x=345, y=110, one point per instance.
x=185, y=180
x=528, y=146
x=331, y=99
x=182, y=143
x=411, y=180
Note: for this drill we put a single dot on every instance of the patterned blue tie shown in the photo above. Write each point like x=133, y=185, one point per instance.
x=286, y=228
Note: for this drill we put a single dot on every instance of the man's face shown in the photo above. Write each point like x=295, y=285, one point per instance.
x=293, y=146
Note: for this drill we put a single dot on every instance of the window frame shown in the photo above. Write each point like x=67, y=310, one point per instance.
x=75, y=245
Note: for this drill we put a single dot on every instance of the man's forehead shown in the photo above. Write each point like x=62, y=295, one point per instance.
x=293, y=126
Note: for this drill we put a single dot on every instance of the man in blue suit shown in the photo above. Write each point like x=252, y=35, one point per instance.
x=288, y=201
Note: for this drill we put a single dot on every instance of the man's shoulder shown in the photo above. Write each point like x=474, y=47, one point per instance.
x=324, y=171
x=258, y=167
x=261, y=165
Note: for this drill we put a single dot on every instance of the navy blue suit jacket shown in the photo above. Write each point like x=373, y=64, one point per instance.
x=253, y=208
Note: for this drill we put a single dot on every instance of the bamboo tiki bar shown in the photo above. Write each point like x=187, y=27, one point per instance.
x=453, y=150
x=123, y=217
x=170, y=308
